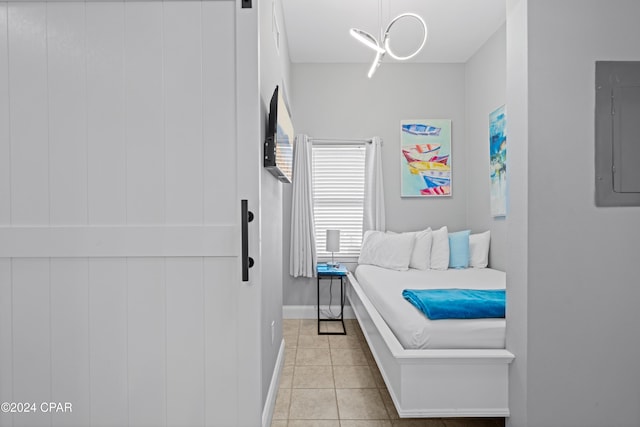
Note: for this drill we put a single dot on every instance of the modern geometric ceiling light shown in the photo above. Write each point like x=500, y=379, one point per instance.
x=382, y=48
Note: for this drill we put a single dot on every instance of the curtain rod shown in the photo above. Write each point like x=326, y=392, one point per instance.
x=340, y=141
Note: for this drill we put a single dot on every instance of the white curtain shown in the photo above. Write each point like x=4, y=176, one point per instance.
x=302, y=259
x=373, y=215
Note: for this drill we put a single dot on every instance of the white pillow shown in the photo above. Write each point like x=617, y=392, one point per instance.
x=479, y=249
x=440, y=249
x=421, y=255
x=392, y=251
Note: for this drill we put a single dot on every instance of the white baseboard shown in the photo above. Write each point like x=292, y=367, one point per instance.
x=310, y=311
x=270, y=403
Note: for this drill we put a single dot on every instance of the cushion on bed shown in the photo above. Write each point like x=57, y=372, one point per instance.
x=458, y=303
x=440, y=249
x=479, y=249
x=387, y=250
x=459, y=249
x=421, y=255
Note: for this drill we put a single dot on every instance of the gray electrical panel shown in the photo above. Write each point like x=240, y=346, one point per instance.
x=617, y=133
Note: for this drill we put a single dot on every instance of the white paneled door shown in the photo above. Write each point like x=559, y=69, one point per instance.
x=129, y=134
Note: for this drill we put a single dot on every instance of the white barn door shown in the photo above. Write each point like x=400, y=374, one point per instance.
x=128, y=138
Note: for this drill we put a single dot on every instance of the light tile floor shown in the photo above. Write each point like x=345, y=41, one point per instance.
x=333, y=381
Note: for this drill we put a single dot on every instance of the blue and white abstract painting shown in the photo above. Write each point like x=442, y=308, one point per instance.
x=498, y=162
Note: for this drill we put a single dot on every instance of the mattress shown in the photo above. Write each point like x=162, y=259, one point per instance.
x=411, y=327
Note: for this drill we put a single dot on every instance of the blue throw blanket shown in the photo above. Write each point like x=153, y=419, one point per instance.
x=457, y=303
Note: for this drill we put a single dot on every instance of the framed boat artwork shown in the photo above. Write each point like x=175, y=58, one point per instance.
x=425, y=156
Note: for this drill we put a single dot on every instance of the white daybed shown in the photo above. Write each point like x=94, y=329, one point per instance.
x=434, y=382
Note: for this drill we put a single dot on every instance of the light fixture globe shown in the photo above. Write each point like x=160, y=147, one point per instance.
x=386, y=37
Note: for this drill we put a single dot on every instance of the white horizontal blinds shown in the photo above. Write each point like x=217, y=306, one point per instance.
x=338, y=195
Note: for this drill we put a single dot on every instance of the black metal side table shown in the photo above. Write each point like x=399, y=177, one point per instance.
x=326, y=271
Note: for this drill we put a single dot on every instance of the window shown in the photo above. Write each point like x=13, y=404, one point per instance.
x=338, y=195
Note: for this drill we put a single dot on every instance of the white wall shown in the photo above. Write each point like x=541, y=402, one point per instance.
x=486, y=86
x=517, y=236
x=338, y=100
x=274, y=70
x=582, y=350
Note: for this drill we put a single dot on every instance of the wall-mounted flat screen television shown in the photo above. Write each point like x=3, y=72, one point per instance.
x=278, y=146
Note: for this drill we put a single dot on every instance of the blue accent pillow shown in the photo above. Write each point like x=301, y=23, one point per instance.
x=459, y=249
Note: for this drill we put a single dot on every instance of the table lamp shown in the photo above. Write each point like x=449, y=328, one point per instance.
x=333, y=244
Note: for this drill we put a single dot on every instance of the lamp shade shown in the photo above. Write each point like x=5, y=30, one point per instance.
x=333, y=240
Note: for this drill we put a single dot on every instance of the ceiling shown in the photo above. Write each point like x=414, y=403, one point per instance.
x=318, y=30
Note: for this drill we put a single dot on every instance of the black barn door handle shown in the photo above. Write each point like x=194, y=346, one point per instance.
x=247, y=261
